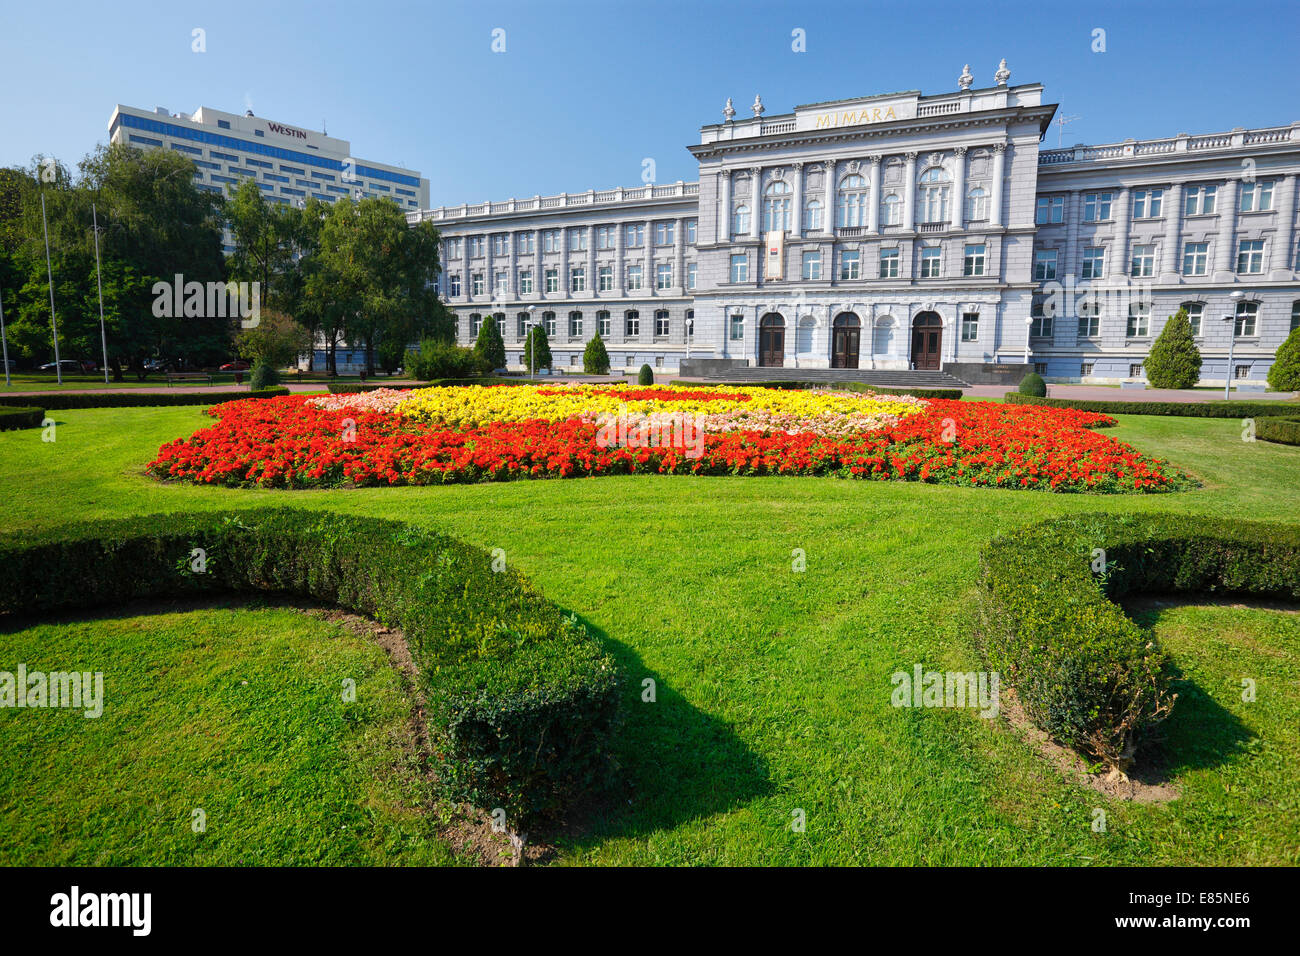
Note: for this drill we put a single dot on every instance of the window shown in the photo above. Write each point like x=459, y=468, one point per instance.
x=970, y=326
x=737, y=331
x=776, y=206
x=632, y=324
x=551, y=240
x=889, y=263
x=634, y=277
x=634, y=235
x=575, y=325
x=1040, y=368
x=739, y=267
x=692, y=227
x=973, y=265
x=1196, y=258
x=1096, y=206
x=605, y=278
x=1147, y=202
x=578, y=240
x=578, y=279
x=475, y=322
x=662, y=325
x=665, y=233
x=1135, y=370
x=1199, y=200
x=1089, y=319
x=1143, y=261
x=521, y=325
x=606, y=237
x=931, y=262
x=526, y=243
x=501, y=283
x=1241, y=371
x=500, y=245
x=1247, y=314
x=934, y=195
x=1085, y=369
x=1295, y=315
x=1139, y=320
x=690, y=325
x=850, y=264
x=552, y=280
x=977, y=204
x=453, y=284
x=476, y=247
x=1094, y=262
x=1256, y=197
x=1041, y=325
x=741, y=225
x=1195, y=312
x=1045, y=265
x=1050, y=210
x=476, y=283
x=223, y=124
x=1250, y=256
x=852, y=201
x=548, y=320
x=813, y=216
x=891, y=210
x=812, y=264
x=525, y=281
x=454, y=247
x=603, y=324
x=664, y=276
x=692, y=274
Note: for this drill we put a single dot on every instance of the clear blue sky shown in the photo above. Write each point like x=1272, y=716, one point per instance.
x=586, y=90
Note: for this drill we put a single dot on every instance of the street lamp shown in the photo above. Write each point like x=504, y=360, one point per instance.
x=1236, y=297
x=531, y=345
x=1029, y=326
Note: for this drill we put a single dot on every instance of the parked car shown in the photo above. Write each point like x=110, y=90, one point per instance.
x=68, y=365
x=157, y=365
x=239, y=365
x=89, y=366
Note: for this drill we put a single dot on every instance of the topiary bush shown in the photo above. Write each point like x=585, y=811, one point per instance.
x=263, y=376
x=645, y=376
x=522, y=703
x=595, y=357
x=1174, y=360
x=1086, y=674
x=1033, y=384
x=489, y=345
x=21, y=417
x=1284, y=373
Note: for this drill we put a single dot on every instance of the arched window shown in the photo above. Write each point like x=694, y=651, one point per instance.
x=575, y=325
x=690, y=324
x=891, y=210
x=1295, y=315
x=1247, y=314
x=813, y=217
x=548, y=319
x=853, y=201
x=934, y=190
x=740, y=225
x=977, y=204
x=475, y=320
x=776, y=207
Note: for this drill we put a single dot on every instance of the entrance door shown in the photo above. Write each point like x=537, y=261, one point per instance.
x=844, y=343
x=927, y=339
x=771, y=341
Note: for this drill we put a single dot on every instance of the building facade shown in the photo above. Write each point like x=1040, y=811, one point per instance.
x=902, y=231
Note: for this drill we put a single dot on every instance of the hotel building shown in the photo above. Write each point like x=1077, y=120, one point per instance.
x=901, y=231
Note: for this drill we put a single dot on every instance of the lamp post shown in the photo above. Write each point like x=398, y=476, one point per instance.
x=532, y=345
x=99, y=284
x=1029, y=326
x=1236, y=297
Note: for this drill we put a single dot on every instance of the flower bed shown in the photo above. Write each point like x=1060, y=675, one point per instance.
x=443, y=435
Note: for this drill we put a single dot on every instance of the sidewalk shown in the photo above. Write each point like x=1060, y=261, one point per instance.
x=195, y=389
x=1100, y=393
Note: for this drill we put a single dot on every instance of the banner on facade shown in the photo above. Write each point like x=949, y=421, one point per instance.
x=775, y=256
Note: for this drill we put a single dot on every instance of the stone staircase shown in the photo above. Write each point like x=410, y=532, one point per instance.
x=881, y=377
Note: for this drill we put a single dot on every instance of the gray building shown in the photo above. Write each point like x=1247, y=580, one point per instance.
x=902, y=231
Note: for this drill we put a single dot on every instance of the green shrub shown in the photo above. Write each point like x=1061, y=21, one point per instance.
x=1174, y=360
x=263, y=376
x=21, y=417
x=645, y=376
x=1284, y=431
x=489, y=345
x=446, y=360
x=1086, y=674
x=1033, y=384
x=537, y=340
x=522, y=703
x=951, y=394
x=140, y=398
x=595, y=358
x=1180, y=409
x=1284, y=373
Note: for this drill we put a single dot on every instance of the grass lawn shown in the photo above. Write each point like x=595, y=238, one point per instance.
x=773, y=686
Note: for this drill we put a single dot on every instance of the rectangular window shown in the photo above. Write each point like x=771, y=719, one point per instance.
x=740, y=267
x=634, y=277
x=889, y=263
x=578, y=240
x=548, y=319
x=578, y=279
x=812, y=264
x=475, y=323
x=662, y=325
x=1094, y=262
x=1089, y=323
x=1135, y=370
x=551, y=240
x=453, y=249
x=737, y=328
x=1147, y=202
x=1041, y=327
x=1139, y=320
x=1295, y=315
x=1096, y=206
x=605, y=278
x=970, y=326
x=1250, y=257
x=606, y=237
x=1045, y=265
x=691, y=226
x=603, y=324
x=692, y=274
x=663, y=276
x=632, y=325
x=1040, y=368
x=1241, y=371
x=525, y=281
x=1085, y=369
x=575, y=325
x=850, y=267
x=1247, y=314
x=476, y=283
x=1195, y=312
x=973, y=265
x=1196, y=258
x=453, y=284
x=1256, y=197
x=501, y=283
x=931, y=263
x=1199, y=200
x=475, y=247
x=1143, y=262
x=500, y=245
x=635, y=236
x=525, y=243
x=1050, y=209
x=552, y=280
x=664, y=233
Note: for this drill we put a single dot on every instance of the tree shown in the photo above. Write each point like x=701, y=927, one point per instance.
x=542, y=346
x=1174, y=360
x=595, y=358
x=1033, y=384
x=490, y=345
x=1284, y=374
x=645, y=376
x=277, y=340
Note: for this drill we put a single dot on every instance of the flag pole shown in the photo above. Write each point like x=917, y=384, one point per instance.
x=103, y=336
x=49, y=272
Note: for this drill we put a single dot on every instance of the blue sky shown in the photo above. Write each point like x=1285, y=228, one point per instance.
x=585, y=91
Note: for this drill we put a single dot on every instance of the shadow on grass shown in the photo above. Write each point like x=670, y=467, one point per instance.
x=674, y=762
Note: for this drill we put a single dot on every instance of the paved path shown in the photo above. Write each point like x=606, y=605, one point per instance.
x=1099, y=393
x=188, y=389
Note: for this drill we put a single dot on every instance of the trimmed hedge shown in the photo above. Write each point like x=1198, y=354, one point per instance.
x=1183, y=409
x=126, y=399
x=522, y=704
x=953, y=394
x=1033, y=384
x=22, y=416
x=1087, y=674
x=1284, y=431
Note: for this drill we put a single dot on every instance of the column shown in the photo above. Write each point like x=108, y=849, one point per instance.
x=648, y=267
x=1280, y=261
x=619, y=281
x=796, y=214
x=1172, y=208
x=1225, y=245
x=679, y=254
x=873, y=194
x=724, y=208
x=1072, y=214
x=512, y=275
x=564, y=271
x=999, y=173
x=593, y=283
x=828, y=200
x=487, y=270
x=909, y=194
x=958, y=209
x=466, y=286
x=756, y=195
x=1123, y=216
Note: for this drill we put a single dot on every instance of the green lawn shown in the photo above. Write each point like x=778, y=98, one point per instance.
x=773, y=686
